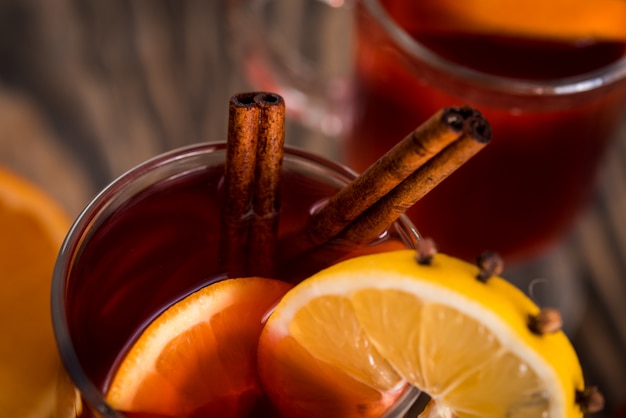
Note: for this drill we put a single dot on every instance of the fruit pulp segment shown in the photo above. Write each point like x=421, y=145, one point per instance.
x=303, y=386
x=330, y=328
x=456, y=372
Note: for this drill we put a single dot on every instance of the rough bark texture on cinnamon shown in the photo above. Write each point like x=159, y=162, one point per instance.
x=266, y=196
x=363, y=210
x=254, y=155
x=241, y=152
x=390, y=207
x=396, y=165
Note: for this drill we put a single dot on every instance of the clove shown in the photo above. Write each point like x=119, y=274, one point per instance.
x=490, y=264
x=590, y=400
x=547, y=321
x=426, y=251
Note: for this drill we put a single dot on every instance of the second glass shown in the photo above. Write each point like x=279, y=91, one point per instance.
x=554, y=102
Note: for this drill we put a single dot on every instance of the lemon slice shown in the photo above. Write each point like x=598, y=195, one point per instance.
x=198, y=358
x=465, y=342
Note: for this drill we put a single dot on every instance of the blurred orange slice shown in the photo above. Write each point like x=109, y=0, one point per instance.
x=198, y=358
x=32, y=228
x=568, y=20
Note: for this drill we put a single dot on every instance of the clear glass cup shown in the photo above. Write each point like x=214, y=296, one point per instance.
x=551, y=123
x=151, y=237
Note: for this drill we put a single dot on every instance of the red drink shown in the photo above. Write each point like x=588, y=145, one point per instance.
x=527, y=186
x=153, y=238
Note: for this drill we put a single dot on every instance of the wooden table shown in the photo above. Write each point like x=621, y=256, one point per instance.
x=90, y=88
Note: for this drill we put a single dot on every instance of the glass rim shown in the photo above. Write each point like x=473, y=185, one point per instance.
x=75, y=236
x=581, y=83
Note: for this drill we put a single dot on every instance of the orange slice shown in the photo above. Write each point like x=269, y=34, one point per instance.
x=32, y=228
x=198, y=358
x=300, y=384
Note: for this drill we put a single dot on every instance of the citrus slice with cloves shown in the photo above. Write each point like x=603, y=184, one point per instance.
x=472, y=341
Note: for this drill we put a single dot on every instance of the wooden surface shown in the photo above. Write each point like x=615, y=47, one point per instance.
x=90, y=88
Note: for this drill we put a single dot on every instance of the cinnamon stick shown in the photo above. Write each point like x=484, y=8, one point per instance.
x=388, y=209
x=241, y=153
x=396, y=165
x=251, y=201
x=266, y=199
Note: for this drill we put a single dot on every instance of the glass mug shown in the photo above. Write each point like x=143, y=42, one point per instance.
x=152, y=237
x=551, y=122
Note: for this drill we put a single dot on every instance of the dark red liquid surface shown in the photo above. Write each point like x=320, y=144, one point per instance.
x=527, y=186
x=159, y=247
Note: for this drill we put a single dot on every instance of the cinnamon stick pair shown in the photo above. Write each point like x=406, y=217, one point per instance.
x=476, y=133
x=365, y=208
x=251, y=202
